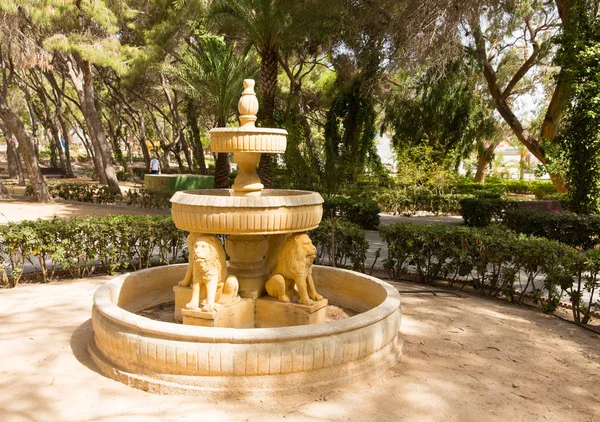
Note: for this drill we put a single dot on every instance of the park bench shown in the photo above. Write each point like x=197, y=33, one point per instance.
x=550, y=206
x=53, y=172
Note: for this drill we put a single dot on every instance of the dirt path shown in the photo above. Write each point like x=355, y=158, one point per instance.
x=465, y=359
x=13, y=210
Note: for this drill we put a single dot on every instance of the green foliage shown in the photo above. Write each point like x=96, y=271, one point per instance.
x=344, y=241
x=349, y=139
x=360, y=211
x=493, y=260
x=444, y=113
x=77, y=247
x=151, y=199
x=82, y=192
x=580, y=231
x=481, y=212
x=579, y=137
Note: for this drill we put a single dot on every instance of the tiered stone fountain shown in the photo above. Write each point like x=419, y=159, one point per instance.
x=256, y=322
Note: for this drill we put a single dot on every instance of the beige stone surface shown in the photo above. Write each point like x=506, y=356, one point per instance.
x=239, y=314
x=270, y=312
x=465, y=359
x=207, y=274
x=219, y=211
x=292, y=276
x=173, y=358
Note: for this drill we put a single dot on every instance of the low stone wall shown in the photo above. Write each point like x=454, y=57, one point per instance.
x=172, y=358
x=178, y=182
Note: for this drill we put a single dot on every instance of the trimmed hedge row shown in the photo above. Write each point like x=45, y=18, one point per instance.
x=80, y=246
x=82, y=192
x=350, y=244
x=481, y=212
x=361, y=211
x=579, y=231
x=493, y=260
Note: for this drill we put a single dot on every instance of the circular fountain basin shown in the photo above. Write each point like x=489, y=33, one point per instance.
x=219, y=211
x=248, y=139
x=170, y=358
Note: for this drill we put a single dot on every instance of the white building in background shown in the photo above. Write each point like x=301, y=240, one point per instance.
x=508, y=159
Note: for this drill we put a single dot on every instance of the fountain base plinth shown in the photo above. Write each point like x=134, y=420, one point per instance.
x=270, y=313
x=235, y=315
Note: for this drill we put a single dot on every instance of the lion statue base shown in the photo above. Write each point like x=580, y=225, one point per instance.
x=294, y=269
x=207, y=274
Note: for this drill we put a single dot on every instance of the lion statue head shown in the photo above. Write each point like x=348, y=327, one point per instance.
x=207, y=253
x=296, y=256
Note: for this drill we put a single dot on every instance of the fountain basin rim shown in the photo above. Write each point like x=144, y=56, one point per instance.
x=249, y=130
x=224, y=198
x=109, y=309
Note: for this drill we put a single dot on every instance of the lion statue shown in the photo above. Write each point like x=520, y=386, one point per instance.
x=207, y=273
x=294, y=266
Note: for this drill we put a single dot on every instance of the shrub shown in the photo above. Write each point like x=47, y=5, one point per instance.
x=492, y=259
x=580, y=231
x=350, y=243
x=361, y=211
x=147, y=198
x=81, y=192
x=397, y=201
x=79, y=246
x=481, y=212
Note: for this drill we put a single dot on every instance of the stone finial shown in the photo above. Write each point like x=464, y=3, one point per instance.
x=248, y=104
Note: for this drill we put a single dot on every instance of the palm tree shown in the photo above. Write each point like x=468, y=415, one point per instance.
x=263, y=24
x=212, y=70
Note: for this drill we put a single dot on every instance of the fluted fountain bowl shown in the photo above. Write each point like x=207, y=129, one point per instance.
x=219, y=211
x=248, y=139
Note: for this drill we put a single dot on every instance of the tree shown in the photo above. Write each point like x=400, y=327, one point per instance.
x=537, y=22
x=579, y=137
x=213, y=70
x=18, y=49
x=263, y=24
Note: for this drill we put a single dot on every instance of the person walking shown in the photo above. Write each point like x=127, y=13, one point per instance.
x=154, y=166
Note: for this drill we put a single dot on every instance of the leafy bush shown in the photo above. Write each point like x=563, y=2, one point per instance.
x=580, y=231
x=81, y=192
x=481, y=212
x=147, y=198
x=350, y=243
x=79, y=246
x=493, y=260
x=361, y=211
x=398, y=201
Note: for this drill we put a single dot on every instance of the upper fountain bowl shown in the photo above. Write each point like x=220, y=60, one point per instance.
x=248, y=139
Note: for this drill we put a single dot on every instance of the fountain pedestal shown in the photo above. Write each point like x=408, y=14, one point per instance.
x=235, y=315
x=269, y=313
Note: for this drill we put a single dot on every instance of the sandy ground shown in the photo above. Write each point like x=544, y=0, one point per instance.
x=13, y=210
x=465, y=359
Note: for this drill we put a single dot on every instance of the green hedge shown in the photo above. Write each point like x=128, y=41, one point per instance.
x=540, y=189
x=580, y=231
x=481, y=212
x=493, y=260
x=81, y=192
x=350, y=244
x=152, y=199
x=80, y=245
x=361, y=211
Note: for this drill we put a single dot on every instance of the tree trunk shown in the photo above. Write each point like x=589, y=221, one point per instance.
x=553, y=115
x=142, y=138
x=192, y=121
x=268, y=87
x=82, y=77
x=222, y=170
x=15, y=168
x=485, y=155
x=14, y=125
x=67, y=137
